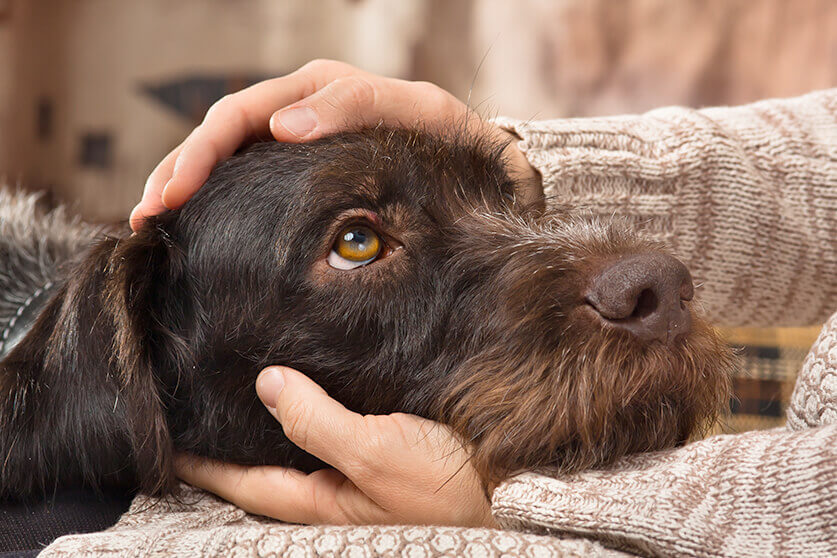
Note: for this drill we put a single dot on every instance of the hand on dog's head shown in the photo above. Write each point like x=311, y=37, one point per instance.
x=398, y=271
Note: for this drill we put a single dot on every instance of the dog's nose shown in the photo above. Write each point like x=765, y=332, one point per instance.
x=644, y=294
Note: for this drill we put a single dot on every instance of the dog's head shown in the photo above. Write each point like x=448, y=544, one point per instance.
x=398, y=270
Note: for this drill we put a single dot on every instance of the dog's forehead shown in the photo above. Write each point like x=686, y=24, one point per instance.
x=407, y=170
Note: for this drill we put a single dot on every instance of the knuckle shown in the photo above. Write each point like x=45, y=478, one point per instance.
x=296, y=423
x=219, y=106
x=375, y=446
x=320, y=65
x=426, y=86
x=356, y=92
x=321, y=503
x=346, y=509
x=432, y=93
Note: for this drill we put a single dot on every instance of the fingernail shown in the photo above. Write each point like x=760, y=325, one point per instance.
x=136, y=216
x=164, y=195
x=177, y=164
x=269, y=385
x=298, y=121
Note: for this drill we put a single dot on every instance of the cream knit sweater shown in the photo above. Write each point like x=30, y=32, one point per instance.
x=747, y=197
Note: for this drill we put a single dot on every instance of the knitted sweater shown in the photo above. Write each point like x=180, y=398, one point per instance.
x=747, y=197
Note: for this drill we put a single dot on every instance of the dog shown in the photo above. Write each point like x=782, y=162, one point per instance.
x=399, y=269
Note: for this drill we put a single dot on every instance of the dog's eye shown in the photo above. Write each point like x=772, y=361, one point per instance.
x=356, y=245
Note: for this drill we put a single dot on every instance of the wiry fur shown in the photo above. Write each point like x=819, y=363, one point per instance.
x=152, y=342
x=552, y=390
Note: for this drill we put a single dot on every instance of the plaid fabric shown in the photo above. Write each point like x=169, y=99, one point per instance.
x=770, y=362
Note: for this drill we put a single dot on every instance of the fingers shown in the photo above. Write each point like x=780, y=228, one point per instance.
x=324, y=97
x=327, y=97
x=324, y=496
x=311, y=419
x=392, y=468
x=227, y=125
x=238, y=117
x=152, y=203
x=362, y=100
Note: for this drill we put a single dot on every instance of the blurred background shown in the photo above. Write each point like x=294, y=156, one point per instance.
x=93, y=93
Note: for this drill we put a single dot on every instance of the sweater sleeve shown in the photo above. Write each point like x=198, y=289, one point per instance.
x=745, y=196
x=763, y=493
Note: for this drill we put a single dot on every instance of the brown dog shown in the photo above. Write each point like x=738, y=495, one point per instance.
x=395, y=268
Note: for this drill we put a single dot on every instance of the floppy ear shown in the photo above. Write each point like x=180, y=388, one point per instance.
x=141, y=270
x=80, y=399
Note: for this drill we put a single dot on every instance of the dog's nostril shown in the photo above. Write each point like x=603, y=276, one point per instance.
x=646, y=304
x=645, y=295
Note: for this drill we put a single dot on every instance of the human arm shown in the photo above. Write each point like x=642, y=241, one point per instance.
x=745, y=196
x=770, y=245
x=762, y=493
x=758, y=493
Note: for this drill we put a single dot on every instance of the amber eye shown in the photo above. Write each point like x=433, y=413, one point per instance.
x=356, y=245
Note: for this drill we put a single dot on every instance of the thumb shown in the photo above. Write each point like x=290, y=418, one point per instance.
x=345, y=103
x=310, y=418
x=358, y=101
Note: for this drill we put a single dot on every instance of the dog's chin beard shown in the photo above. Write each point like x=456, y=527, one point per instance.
x=587, y=403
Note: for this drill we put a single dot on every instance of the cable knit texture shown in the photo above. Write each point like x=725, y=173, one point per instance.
x=205, y=526
x=762, y=493
x=747, y=197
x=814, y=400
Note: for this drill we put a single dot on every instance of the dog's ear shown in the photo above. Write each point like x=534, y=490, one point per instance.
x=141, y=273
x=81, y=400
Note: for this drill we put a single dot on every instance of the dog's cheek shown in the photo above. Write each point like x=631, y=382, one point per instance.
x=707, y=365
x=368, y=335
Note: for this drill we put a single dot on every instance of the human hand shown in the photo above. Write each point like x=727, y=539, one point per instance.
x=389, y=469
x=321, y=98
